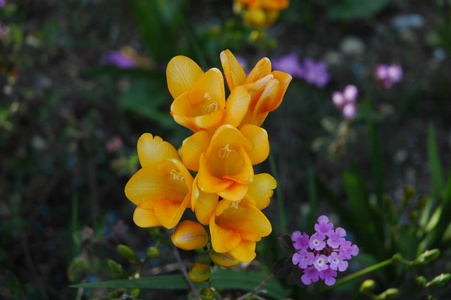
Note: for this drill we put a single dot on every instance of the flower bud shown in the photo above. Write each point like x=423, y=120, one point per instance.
x=117, y=269
x=389, y=294
x=427, y=257
x=397, y=258
x=255, y=16
x=189, y=235
x=421, y=280
x=115, y=294
x=367, y=286
x=153, y=252
x=223, y=259
x=440, y=280
x=206, y=294
x=135, y=292
x=199, y=273
x=128, y=253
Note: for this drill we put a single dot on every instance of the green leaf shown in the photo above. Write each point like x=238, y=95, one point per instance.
x=434, y=162
x=348, y=10
x=376, y=160
x=229, y=279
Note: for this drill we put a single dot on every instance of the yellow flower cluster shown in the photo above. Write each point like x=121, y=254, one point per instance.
x=227, y=142
x=260, y=12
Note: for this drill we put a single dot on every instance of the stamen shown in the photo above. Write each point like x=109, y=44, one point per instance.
x=212, y=107
x=177, y=175
x=235, y=204
x=225, y=152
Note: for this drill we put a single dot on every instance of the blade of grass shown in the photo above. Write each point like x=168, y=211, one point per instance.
x=435, y=165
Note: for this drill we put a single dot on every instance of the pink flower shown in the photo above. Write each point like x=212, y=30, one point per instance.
x=311, y=274
x=300, y=240
x=388, y=75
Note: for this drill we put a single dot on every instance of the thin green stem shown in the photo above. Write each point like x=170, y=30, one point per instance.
x=279, y=197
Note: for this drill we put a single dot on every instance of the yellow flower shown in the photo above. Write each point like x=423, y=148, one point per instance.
x=199, y=98
x=189, y=235
x=266, y=88
x=235, y=227
x=161, y=189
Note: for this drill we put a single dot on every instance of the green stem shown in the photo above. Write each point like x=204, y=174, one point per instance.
x=279, y=197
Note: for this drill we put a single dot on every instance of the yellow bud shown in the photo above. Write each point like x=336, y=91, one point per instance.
x=223, y=259
x=189, y=235
x=255, y=16
x=206, y=294
x=367, y=285
x=199, y=273
x=153, y=252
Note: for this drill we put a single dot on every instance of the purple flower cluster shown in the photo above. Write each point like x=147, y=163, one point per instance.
x=2, y=3
x=388, y=75
x=322, y=254
x=345, y=101
x=311, y=71
x=119, y=59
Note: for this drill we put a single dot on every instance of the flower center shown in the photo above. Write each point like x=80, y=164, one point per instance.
x=177, y=175
x=225, y=151
x=212, y=107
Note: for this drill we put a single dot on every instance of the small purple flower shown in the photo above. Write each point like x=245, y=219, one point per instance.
x=289, y=64
x=323, y=226
x=328, y=276
x=388, y=75
x=338, y=99
x=346, y=101
x=347, y=250
x=350, y=93
x=336, y=239
x=300, y=240
x=303, y=259
x=349, y=111
x=315, y=72
x=2, y=3
x=317, y=242
x=311, y=274
x=118, y=59
x=320, y=262
x=336, y=262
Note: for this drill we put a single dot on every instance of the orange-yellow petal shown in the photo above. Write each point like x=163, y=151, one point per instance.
x=145, y=218
x=261, y=190
x=223, y=259
x=152, y=150
x=245, y=251
x=237, y=106
x=170, y=212
x=193, y=147
x=235, y=192
x=181, y=73
x=233, y=71
x=207, y=182
x=189, y=235
x=203, y=204
x=260, y=143
x=261, y=69
x=223, y=239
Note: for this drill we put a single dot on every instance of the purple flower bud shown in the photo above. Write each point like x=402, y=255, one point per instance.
x=381, y=73
x=395, y=73
x=388, y=75
x=300, y=240
x=338, y=99
x=311, y=274
x=349, y=111
x=317, y=242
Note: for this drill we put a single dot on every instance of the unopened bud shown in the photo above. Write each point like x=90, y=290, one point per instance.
x=223, y=259
x=389, y=294
x=206, y=294
x=367, y=286
x=135, y=293
x=199, y=273
x=440, y=280
x=397, y=258
x=427, y=257
x=271, y=16
x=421, y=280
x=153, y=252
x=115, y=294
x=116, y=268
x=255, y=16
x=128, y=253
x=189, y=235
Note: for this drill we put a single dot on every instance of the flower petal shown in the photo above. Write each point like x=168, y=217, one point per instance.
x=145, y=218
x=260, y=143
x=261, y=190
x=193, y=147
x=203, y=204
x=233, y=71
x=237, y=106
x=152, y=150
x=245, y=251
x=181, y=73
x=235, y=192
x=170, y=212
x=207, y=182
x=261, y=69
x=223, y=239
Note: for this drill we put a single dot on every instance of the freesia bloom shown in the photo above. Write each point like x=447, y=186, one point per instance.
x=236, y=227
x=266, y=88
x=260, y=12
x=323, y=254
x=161, y=189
